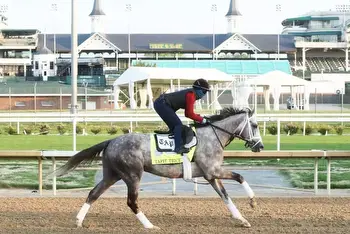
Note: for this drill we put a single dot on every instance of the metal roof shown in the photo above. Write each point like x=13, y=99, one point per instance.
x=201, y=43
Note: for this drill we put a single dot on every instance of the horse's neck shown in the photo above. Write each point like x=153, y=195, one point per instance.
x=229, y=125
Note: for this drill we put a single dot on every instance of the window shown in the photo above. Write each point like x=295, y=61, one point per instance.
x=51, y=65
x=20, y=104
x=47, y=103
x=36, y=65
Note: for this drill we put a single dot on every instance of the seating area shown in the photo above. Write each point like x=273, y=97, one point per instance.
x=320, y=64
x=232, y=67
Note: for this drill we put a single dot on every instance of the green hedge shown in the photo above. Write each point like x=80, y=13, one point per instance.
x=123, y=128
x=297, y=128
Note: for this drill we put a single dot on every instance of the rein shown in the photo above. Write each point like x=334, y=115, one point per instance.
x=225, y=131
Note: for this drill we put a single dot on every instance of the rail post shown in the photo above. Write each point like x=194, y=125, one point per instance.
x=316, y=176
x=54, y=189
x=174, y=186
x=328, y=174
x=40, y=175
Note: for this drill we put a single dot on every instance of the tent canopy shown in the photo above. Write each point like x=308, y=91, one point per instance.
x=160, y=75
x=277, y=78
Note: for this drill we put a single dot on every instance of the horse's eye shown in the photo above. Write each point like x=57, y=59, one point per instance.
x=254, y=125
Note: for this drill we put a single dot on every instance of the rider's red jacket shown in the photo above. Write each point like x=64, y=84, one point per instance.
x=189, y=110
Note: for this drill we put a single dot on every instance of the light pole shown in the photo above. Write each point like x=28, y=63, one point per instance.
x=128, y=9
x=214, y=10
x=74, y=68
x=278, y=10
x=54, y=9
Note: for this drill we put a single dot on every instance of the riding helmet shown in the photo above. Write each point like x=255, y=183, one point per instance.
x=201, y=84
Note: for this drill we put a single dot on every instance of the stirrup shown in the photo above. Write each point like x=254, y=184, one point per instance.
x=187, y=168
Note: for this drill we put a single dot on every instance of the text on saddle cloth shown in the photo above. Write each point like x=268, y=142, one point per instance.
x=162, y=147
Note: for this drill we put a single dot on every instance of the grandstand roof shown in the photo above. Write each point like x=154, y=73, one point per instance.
x=16, y=32
x=314, y=15
x=190, y=42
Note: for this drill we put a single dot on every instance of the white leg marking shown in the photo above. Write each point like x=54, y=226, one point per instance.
x=233, y=209
x=143, y=219
x=81, y=215
x=187, y=168
x=248, y=190
x=236, y=214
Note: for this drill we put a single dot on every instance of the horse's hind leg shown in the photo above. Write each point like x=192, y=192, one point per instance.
x=220, y=189
x=109, y=178
x=133, y=183
x=225, y=174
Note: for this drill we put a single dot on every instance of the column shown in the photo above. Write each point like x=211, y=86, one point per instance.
x=150, y=94
x=133, y=104
x=304, y=58
x=267, y=97
x=276, y=92
x=347, y=59
x=116, y=91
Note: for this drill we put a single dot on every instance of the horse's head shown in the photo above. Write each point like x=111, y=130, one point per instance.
x=241, y=123
x=248, y=130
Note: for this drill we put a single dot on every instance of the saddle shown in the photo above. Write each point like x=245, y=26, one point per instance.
x=165, y=139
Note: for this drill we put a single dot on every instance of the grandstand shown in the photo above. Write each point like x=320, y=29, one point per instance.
x=232, y=67
x=16, y=46
x=315, y=42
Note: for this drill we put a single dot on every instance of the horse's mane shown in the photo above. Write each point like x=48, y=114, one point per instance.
x=225, y=113
x=230, y=111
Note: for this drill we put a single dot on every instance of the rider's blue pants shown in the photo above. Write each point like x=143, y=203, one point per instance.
x=170, y=118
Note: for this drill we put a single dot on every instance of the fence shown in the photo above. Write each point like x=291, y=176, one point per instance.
x=64, y=155
x=133, y=118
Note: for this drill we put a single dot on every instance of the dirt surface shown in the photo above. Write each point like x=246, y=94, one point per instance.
x=176, y=215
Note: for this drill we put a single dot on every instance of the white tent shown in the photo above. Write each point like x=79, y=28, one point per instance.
x=278, y=78
x=148, y=77
x=274, y=80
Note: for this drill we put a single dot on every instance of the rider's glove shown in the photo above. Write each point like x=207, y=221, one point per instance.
x=205, y=120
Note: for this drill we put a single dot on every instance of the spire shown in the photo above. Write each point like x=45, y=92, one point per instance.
x=233, y=9
x=97, y=9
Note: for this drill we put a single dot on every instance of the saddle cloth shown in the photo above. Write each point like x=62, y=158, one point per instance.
x=163, y=145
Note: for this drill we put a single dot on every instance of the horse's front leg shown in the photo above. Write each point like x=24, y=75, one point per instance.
x=225, y=174
x=220, y=189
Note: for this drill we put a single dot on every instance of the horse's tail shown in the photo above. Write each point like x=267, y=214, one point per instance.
x=85, y=156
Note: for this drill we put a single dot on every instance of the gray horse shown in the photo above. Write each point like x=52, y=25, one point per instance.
x=126, y=157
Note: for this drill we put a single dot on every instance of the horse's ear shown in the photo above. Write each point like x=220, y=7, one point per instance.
x=251, y=111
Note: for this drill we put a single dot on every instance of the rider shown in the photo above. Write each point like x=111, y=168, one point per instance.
x=168, y=103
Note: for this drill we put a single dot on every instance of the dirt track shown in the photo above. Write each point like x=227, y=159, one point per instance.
x=176, y=215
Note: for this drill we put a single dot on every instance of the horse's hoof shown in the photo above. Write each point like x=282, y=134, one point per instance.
x=246, y=224
x=252, y=203
x=154, y=227
x=79, y=224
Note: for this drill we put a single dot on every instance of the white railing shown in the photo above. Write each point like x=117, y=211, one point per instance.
x=64, y=155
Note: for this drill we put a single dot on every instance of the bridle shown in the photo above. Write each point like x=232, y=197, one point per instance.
x=245, y=124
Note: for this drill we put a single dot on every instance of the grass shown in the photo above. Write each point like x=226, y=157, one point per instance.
x=23, y=174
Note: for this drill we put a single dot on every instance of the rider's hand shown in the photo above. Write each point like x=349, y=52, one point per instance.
x=205, y=120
